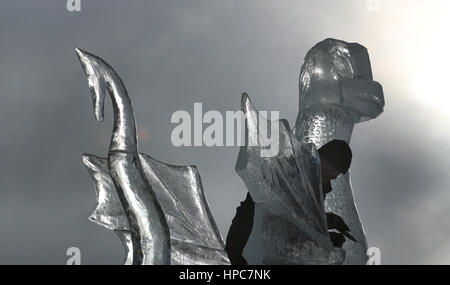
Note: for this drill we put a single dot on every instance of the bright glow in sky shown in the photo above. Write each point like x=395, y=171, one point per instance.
x=174, y=53
x=430, y=59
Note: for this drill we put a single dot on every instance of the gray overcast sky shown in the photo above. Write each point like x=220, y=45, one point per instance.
x=171, y=54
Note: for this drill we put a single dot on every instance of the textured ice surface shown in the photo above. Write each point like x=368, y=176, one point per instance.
x=336, y=92
x=290, y=222
x=149, y=232
x=159, y=211
x=194, y=237
x=338, y=73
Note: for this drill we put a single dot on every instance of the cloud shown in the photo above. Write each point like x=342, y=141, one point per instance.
x=171, y=54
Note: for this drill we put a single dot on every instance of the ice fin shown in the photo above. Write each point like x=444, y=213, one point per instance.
x=288, y=188
x=108, y=211
x=195, y=238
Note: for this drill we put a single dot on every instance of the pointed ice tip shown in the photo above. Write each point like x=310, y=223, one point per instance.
x=83, y=58
x=95, y=79
x=86, y=159
x=83, y=55
x=79, y=52
x=86, y=156
x=246, y=104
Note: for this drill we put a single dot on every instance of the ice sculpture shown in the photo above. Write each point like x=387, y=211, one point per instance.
x=159, y=211
x=336, y=92
x=290, y=225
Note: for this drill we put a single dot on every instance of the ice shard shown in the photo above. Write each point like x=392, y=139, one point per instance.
x=158, y=210
x=337, y=91
x=290, y=222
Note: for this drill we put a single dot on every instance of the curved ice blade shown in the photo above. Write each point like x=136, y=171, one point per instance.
x=287, y=191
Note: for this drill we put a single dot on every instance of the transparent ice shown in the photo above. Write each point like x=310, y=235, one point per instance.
x=159, y=211
x=337, y=91
x=290, y=223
